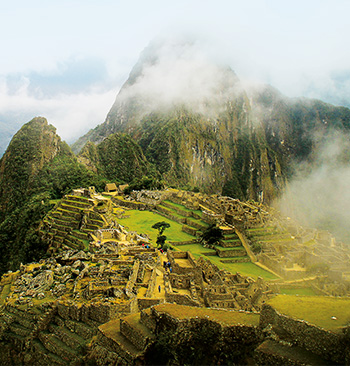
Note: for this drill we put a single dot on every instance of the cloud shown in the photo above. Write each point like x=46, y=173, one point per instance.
x=333, y=87
x=75, y=96
x=319, y=193
x=71, y=113
x=180, y=72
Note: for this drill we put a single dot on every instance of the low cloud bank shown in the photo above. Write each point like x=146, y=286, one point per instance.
x=74, y=97
x=319, y=193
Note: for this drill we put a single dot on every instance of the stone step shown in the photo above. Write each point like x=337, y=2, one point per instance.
x=73, y=203
x=58, y=232
x=148, y=319
x=178, y=210
x=19, y=329
x=230, y=252
x=45, y=357
x=87, y=231
x=14, y=337
x=56, y=346
x=84, y=330
x=61, y=228
x=98, y=223
x=67, y=213
x=136, y=332
x=80, y=235
x=68, y=337
x=71, y=244
x=91, y=227
x=99, y=352
x=68, y=207
x=198, y=225
x=231, y=236
x=67, y=222
x=110, y=337
x=25, y=318
x=274, y=353
x=189, y=230
x=171, y=215
x=231, y=243
x=82, y=199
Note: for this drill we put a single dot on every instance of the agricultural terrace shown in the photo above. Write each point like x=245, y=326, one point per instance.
x=142, y=221
x=331, y=313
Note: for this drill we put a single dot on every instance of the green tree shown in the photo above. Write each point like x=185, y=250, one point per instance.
x=161, y=226
x=211, y=236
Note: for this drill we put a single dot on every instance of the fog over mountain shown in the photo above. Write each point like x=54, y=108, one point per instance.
x=71, y=73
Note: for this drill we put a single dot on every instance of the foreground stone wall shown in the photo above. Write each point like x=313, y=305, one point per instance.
x=331, y=346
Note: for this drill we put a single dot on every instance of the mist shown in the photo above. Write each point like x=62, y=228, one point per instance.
x=180, y=71
x=74, y=96
x=318, y=195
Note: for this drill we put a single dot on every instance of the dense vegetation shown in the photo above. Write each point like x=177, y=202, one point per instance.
x=36, y=168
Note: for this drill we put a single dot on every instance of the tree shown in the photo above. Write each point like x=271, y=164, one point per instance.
x=161, y=226
x=212, y=235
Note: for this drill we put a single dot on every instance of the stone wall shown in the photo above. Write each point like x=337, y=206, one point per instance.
x=230, y=253
x=144, y=303
x=331, y=346
x=132, y=204
x=180, y=299
x=151, y=284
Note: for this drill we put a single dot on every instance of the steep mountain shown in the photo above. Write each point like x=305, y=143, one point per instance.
x=36, y=167
x=202, y=127
x=118, y=158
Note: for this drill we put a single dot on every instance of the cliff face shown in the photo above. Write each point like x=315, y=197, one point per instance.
x=118, y=158
x=210, y=131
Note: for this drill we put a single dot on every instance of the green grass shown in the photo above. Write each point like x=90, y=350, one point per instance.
x=221, y=316
x=142, y=222
x=246, y=269
x=233, y=248
x=317, y=310
x=305, y=291
x=196, y=249
x=181, y=207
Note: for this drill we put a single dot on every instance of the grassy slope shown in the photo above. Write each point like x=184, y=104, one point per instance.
x=142, y=222
x=317, y=310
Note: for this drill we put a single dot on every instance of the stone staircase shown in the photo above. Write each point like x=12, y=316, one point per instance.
x=231, y=249
x=64, y=341
x=18, y=324
x=70, y=223
x=126, y=339
x=190, y=219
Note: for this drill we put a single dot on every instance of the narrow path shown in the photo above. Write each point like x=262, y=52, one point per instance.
x=243, y=240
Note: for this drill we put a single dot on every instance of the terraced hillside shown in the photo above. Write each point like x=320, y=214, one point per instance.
x=194, y=222
x=69, y=224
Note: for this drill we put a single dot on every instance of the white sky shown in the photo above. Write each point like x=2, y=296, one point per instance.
x=66, y=60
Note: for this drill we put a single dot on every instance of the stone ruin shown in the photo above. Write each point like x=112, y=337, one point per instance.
x=57, y=305
x=201, y=283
